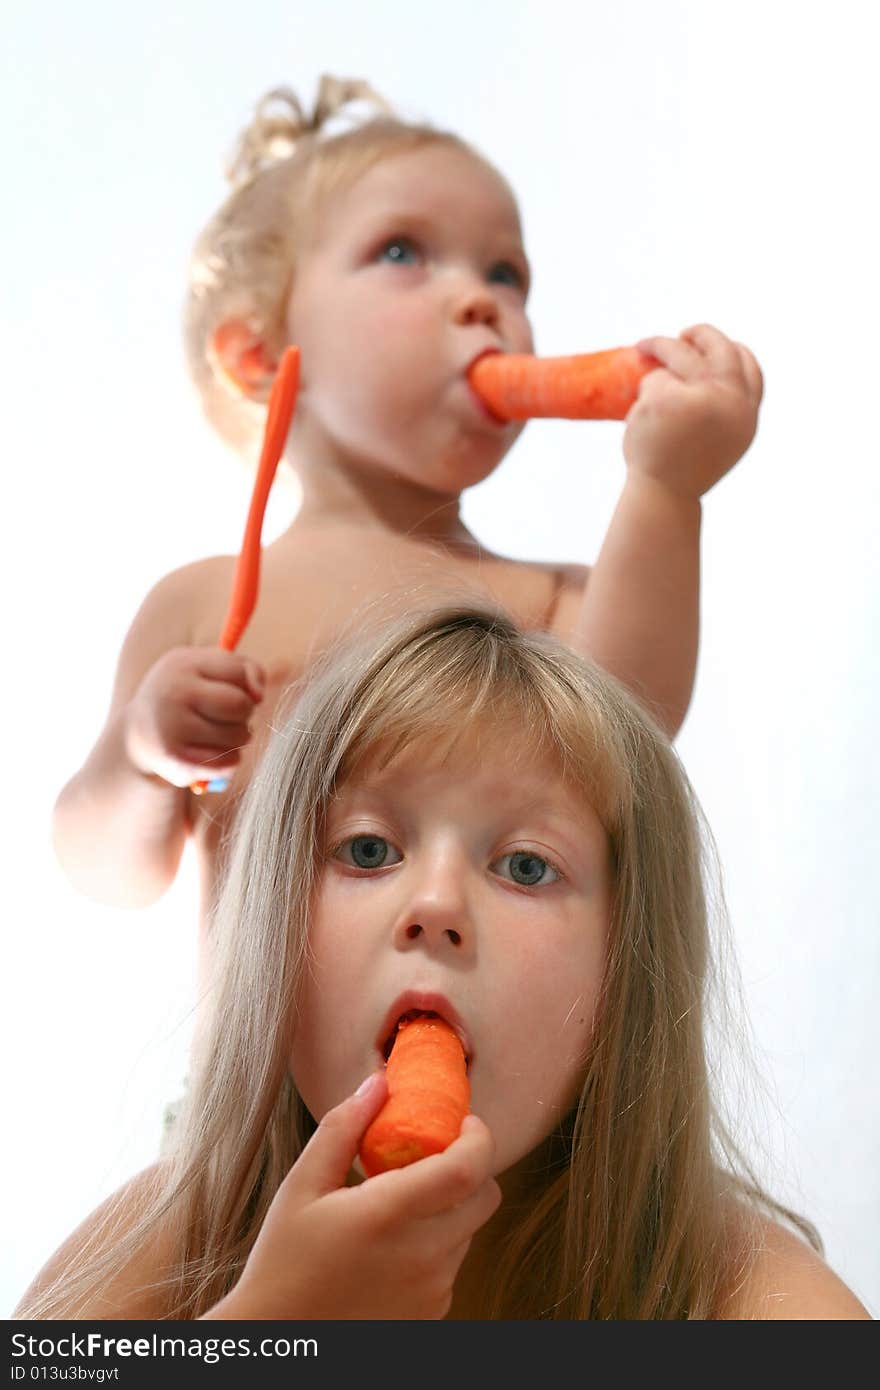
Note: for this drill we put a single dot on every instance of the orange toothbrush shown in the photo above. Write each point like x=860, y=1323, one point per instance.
x=246, y=579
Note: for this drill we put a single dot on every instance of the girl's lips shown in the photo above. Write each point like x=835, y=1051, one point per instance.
x=478, y=357
x=483, y=407
x=416, y=1001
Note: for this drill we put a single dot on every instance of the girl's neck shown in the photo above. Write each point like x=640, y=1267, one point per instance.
x=474, y=1287
x=337, y=492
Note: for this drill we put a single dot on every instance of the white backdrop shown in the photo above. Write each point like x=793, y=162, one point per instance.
x=675, y=163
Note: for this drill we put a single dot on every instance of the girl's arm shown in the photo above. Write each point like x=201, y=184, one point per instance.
x=694, y=417
x=639, y=619
x=118, y=834
x=178, y=712
x=130, y=1290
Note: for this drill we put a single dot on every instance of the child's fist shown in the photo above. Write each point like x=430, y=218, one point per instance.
x=696, y=414
x=388, y=1248
x=189, y=717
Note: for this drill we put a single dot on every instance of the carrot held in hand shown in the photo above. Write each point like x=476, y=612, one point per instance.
x=428, y=1096
x=589, y=386
x=246, y=579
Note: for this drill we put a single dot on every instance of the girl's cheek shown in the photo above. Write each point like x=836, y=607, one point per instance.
x=404, y=315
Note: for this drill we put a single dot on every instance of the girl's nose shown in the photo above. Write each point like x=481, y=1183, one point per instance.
x=436, y=916
x=432, y=934
x=476, y=304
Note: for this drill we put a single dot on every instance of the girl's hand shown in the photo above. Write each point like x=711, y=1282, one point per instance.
x=190, y=715
x=696, y=414
x=390, y=1248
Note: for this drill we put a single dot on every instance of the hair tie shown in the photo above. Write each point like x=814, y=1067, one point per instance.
x=336, y=92
x=279, y=123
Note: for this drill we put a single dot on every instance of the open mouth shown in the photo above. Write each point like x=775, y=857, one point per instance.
x=407, y=1017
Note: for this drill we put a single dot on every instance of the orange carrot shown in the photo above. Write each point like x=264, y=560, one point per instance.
x=246, y=578
x=428, y=1096
x=590, y=386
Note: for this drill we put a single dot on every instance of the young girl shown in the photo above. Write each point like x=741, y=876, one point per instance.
x=392, y=254
x=462, y=819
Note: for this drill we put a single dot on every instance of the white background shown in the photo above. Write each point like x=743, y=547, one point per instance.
x=675, y=163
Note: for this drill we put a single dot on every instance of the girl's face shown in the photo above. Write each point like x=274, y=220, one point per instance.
x=478, y=886
x=409, y=275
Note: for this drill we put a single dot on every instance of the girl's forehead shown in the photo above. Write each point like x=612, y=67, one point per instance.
x=501, y=755
x=436, y=179
x=486, y=777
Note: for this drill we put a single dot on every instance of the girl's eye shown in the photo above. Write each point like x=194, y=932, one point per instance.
x=367, y=852
x=505, y=273
x=400, y=250
x=526, y=869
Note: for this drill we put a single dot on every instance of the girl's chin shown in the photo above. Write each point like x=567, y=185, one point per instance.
x=518, y=1146
x=473, y=463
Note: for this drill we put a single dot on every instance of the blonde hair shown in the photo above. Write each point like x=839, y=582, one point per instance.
x=282, y=171
x=629, y=1204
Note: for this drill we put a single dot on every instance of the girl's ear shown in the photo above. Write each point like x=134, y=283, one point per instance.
x=238, y=353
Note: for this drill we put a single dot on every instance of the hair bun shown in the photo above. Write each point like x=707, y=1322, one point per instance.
x=279, y=123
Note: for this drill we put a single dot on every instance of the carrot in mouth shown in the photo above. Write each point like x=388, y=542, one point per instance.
x=428, y=1096
x=588, y=386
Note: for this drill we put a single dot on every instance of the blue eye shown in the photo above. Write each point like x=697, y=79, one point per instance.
x=505, y=273
x=400, y=250
x=367, y=852
x=527, y=869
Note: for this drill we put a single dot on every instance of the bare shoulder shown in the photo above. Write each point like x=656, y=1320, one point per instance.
x=128, y=1290
x=184, y=592
x=788, y=1280
x=175, y=612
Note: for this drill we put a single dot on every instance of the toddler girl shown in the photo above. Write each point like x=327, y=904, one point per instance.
x=392, y=254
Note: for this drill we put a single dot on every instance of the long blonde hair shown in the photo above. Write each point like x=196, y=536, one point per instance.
x=628, y=1210
x=284, y=166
